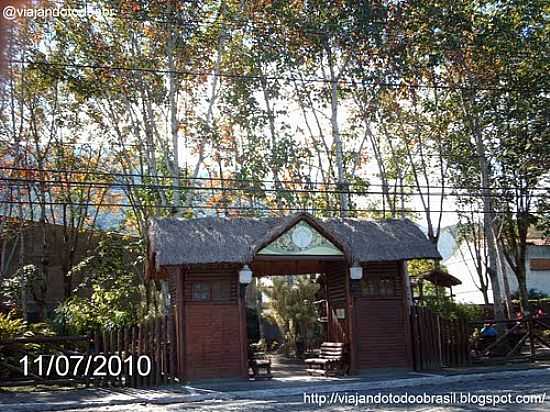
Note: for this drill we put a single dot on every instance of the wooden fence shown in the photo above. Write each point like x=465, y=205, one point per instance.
x=438, y=342
x=518, y=340
x=141, y=355
x=18, y=359
x=454, y=342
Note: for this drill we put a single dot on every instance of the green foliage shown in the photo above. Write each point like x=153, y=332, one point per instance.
x=449, y=309
x=107, y=307
x=12, y=326
x=111, y=293
x=417, y=267
x=291, y=307
x=533, y=294
x=27, y=281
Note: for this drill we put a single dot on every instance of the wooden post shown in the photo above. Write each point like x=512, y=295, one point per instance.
x=149, y=350
x=180, y=324
x=124, y=354
x=407, y=303
x=243, y=332
x=133, y=354
x=171, y=347
x=351, y=324
x=158, y=343
x=164, y=348
x=416, y=338
x=98, y=341
x=140, y=351
x=531, y=338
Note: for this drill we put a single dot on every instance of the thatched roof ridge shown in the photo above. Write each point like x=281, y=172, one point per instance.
x=211, y=240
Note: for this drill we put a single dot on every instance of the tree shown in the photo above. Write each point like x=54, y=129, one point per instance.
x=291, y=306
x=111, y=293
x=470, y=233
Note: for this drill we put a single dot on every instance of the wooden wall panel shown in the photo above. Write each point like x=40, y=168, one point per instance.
x=213, y=345
x=382, y=328
x=338, y=329
x=229, y=278
x=382, y=338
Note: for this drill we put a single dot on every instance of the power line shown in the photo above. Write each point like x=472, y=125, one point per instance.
x=243, y=208
x=239, y=180
x=107, y=185
x=309, y=80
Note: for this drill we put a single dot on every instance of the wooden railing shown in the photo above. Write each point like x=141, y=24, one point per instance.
x=439, y=342
x=19, y=357
x=141, y=355
x=517, y=340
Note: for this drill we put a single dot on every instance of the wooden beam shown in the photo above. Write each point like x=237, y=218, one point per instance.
x=180, y=324
x=243, y=333
x=406, y=310
x=351, y=324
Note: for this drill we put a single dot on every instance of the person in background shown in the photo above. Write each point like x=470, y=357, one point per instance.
x=488, y=331
x=519, y=315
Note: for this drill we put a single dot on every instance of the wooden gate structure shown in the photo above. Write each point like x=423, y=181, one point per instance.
x=208, y=263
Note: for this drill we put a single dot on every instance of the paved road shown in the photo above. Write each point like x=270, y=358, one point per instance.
x=501, y=387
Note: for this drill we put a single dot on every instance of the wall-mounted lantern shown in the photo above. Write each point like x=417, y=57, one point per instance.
x=245, y=275
x=356, y=272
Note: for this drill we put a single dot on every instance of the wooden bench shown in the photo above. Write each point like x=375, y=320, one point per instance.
x=259, y=363
x=332, y=360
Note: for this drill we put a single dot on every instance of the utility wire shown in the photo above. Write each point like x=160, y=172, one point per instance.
x=310, y=80
x=244, y=208
x=253, y=181
x=24, y=182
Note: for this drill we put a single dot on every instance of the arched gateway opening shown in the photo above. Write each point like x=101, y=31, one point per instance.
x=208, y=264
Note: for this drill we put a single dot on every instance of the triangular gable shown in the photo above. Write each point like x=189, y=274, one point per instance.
x=301, y=239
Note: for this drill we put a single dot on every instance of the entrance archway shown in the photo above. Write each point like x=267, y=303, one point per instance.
x=302, y=247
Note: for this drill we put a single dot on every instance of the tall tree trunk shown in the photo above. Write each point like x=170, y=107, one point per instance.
x=275, y=165
x=173, y=120
x=336, y=137
x=488, y=222
x=505, y=283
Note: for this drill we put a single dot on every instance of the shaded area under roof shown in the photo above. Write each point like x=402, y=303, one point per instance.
x=211, y=240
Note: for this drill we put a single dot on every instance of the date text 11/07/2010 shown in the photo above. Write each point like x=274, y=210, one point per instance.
x=86, y=365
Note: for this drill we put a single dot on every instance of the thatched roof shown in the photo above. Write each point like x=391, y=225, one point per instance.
x=236, y=240
x=441, y=278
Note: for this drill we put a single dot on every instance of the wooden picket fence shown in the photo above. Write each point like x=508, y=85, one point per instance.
x=146, y=347
x=136, y=356
x=16, y=352
x=455, y=345
x=438, y=342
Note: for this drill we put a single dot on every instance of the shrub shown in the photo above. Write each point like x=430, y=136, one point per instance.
x=449, y=309
x=111, y=293
x=11, y=327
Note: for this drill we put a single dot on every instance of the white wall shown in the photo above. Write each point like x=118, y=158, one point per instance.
x=536, y=279
x=460, y=265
